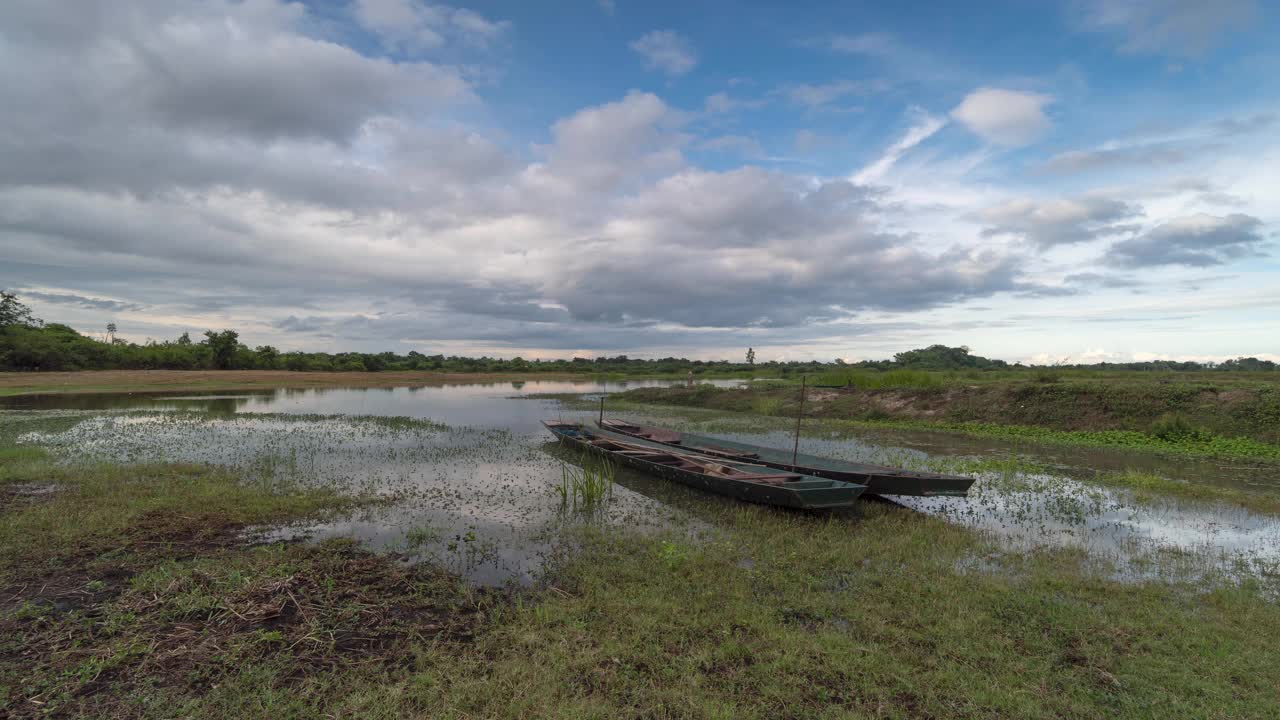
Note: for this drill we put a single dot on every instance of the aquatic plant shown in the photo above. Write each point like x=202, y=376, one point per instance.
x=586, y=483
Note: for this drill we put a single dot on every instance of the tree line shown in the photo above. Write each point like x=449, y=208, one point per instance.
x=27, y=343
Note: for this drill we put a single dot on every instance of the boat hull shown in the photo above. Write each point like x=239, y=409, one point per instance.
x=805, y=493
x=879, y=480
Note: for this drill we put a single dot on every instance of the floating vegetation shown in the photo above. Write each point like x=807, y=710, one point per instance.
x=587, y=483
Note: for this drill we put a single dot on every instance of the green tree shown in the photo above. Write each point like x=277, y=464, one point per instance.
x=266, y=357
x=751, y=356
x=13, y=312
x=222, y=346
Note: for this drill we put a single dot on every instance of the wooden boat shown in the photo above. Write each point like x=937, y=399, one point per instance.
x=879, y=480
x=751, y=483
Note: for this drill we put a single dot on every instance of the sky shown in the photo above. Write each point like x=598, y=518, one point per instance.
x=1084, y=181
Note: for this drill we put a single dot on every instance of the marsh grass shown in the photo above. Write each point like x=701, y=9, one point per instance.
x=880, y=380
x=587, y=482
x=92, y=506
x=1149, y=487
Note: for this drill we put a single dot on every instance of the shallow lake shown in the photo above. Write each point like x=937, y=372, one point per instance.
x=471, y=473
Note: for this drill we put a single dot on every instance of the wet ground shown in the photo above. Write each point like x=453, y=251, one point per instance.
x=471, y=476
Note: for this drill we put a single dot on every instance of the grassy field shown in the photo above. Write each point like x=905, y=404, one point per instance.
x=1231, y=417
x=130, y=591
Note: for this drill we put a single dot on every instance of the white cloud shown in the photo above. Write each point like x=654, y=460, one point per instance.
x=667, y=51
x=1059, y=221
x=722, y=103
x=817, y=96
x=924, y=128
x=416, y=25
x=1004, y=117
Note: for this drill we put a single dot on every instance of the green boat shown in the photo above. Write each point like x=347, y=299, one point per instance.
x=880, y=480
x=743, y=481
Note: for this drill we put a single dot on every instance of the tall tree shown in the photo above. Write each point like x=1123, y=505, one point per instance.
x=751, y=356
x=13, y=312
x=222, y=346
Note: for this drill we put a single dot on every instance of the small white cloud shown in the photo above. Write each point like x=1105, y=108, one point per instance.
x=1176, y=27
x=667, y=51
x=875, y=44
x=1004, y=117
x=721, y=103
x=416, y=25
x=816, y=96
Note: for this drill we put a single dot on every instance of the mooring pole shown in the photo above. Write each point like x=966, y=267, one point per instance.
x=601, y=420
x=795, y=452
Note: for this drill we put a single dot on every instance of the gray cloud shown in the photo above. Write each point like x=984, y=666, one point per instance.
x=212, y=188
x=1197, y=240
x=1057, y=222
x=1176, y=27
x=1246, y=125
x=1142, y=156
x=1093, y=279
x=82, y=301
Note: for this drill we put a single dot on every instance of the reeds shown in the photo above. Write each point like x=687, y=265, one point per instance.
x=586, y=483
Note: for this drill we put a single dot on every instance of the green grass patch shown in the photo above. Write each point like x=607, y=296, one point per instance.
x=84, y=510
x=879, y=380
x=1041, y=413
x=587, y=482
x=1147, y=486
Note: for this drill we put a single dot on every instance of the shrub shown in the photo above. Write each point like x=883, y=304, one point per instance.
x=1175, y=428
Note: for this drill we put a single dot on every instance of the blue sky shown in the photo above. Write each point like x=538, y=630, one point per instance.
x=1085, y=180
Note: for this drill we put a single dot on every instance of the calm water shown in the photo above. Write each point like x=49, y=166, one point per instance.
x=471, y=475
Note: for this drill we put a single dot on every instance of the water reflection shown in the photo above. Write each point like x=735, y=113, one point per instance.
x=484, y=404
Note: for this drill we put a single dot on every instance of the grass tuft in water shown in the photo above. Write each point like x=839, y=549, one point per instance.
x=586, y=483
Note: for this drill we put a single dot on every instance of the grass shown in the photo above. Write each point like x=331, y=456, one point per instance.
x=1150, y=487
x=875, y=380
x=128, y=591
x=586, y=483
x=93, y=509
x=832, y=619
x=1178, y=419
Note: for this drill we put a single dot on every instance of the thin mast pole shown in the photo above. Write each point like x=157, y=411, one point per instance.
x=795, y=451
x=601, y=420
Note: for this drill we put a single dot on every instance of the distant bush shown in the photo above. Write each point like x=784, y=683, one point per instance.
x=1045, y=375
x=1175, y=428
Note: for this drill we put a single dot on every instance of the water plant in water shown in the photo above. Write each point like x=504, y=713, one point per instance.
x=586, y=483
